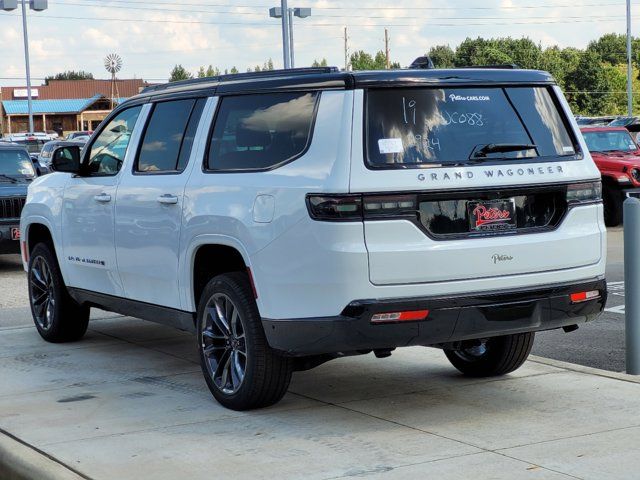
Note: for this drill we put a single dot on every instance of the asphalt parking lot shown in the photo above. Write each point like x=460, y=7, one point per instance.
x=129, y=401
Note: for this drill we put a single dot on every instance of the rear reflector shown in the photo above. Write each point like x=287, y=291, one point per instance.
x=584, y=296
x=409, y=316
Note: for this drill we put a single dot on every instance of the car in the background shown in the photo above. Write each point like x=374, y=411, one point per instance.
x=53, y=135
x=594, y=121
x=74, y=135
x=617, y=156
x=44, y=158
x=16, y=172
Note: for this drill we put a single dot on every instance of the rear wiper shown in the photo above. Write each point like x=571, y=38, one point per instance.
x=484, y=150
x=13, y=180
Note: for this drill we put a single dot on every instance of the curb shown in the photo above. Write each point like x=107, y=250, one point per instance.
x=20, y=461
x=586, y=370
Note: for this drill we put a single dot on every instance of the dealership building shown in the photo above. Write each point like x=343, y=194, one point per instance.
x=63, y=105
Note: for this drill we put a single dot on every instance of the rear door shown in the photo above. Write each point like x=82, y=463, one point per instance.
x=150, y=201
x=468, y=183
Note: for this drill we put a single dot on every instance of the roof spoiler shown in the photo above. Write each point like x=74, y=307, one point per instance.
x=423, y=62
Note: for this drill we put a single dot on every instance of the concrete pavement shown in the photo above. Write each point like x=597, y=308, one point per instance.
x=129, y=402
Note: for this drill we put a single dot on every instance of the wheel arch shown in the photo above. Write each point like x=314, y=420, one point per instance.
x=208, y=256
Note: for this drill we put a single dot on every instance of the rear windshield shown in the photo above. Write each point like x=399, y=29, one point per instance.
x=32, y=146
x=434, y=127
x=609, y=141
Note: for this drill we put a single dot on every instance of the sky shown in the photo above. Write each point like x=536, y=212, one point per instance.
x=153, y=36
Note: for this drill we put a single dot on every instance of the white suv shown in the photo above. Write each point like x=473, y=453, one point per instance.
x=292, y=217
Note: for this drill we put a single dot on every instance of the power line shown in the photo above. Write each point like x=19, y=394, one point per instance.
x=342, y=24
x=152, y=9
x=360, y=7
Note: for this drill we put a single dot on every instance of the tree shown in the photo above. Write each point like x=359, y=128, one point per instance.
x=179, y=73
x=588, y=85
x=212, y=72
x=362, y=60
x=442, y=56
x=612, y=48
x=321, y=63
x=69, y=75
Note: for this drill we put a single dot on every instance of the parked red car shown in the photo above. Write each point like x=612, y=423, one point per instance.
x=617, y=155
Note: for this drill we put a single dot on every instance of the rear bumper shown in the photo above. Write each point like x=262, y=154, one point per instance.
x=7, y=245
x=453, y=318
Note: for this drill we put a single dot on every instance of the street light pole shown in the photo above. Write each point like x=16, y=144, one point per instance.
x=287, y=15
x=291, y=51
x=28, y=67
x=38, y=6
x=629, y=70
x=286, y=42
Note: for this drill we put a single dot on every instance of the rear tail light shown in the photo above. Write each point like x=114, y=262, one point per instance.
x=584, y=192
x=361, y=207
x=336, y=208
x=579, y=297
x=389, y=206
x=408, y=316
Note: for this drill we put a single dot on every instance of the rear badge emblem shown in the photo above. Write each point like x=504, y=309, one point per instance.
x=501, y=258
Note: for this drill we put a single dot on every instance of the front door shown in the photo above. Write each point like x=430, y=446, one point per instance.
x=88, y=209
x=150, y=202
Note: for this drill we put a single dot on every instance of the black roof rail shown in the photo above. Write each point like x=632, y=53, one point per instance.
x=243, y=76
x=502, y=66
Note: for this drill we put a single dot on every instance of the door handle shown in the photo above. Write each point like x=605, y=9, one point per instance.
x=168, y=199
x=102, y=198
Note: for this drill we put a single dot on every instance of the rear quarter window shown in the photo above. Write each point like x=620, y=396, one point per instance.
x=433, y=127
x=260, y=132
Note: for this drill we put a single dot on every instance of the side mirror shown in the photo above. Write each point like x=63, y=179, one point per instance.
x=66, y=159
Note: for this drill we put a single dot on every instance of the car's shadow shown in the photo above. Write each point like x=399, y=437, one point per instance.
x=10, y=263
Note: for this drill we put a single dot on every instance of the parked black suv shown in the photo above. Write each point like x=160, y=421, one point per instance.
x=16, y=172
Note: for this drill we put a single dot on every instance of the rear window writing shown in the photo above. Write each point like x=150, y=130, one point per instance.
x=433, y=127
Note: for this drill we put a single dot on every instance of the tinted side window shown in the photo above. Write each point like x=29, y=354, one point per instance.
x=109, y=148
x=254, y=132
x=169, y=136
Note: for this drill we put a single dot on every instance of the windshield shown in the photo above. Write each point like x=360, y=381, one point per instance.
x=16, y=163
x=609, y=141
x=433, y=127
x=32, y=146
x=622, y=122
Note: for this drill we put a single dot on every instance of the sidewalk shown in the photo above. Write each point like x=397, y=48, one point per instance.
x=129, y=402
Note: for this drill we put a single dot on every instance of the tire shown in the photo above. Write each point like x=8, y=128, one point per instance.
x=240, y=368
x=493, y=356
x=56, y=315
x=612, y=199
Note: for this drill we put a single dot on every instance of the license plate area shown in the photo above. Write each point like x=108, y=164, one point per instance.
x=492, y=215
x=15, y=233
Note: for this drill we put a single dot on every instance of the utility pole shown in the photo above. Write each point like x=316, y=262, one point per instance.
x=386, y=49
x=629, y=70
x=292, y=59
x=286, y=43
x=38, y=6
x=346, y=50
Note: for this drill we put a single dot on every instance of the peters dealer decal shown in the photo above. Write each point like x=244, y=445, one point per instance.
x=491, y=173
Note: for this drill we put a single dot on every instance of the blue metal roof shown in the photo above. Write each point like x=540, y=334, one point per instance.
x=72, y=105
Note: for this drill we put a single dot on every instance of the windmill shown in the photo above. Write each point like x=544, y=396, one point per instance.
x=113, y=64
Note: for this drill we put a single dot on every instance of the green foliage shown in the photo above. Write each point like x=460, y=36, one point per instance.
x=442, y=56
x=362, y=60
x=70, y=75
x=179, y=73
x=594, y=79
x=321, y=63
